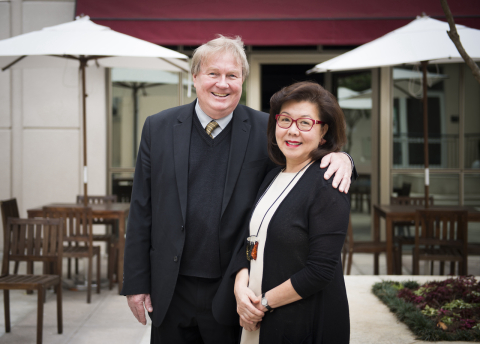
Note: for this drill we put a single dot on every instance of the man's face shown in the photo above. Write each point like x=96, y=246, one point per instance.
x=219, y=85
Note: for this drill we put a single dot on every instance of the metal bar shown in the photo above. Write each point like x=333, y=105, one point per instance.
x=11, y=64
x=425, y=130
x=83, y=64
x=173, y=64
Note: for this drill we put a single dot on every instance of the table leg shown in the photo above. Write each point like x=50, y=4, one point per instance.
x=389, y=237
x=121, y=245
x=376, y=238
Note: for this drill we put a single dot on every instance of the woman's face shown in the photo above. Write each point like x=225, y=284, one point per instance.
x=295, y=144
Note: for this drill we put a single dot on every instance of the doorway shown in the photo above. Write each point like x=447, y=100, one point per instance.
x=276, y=76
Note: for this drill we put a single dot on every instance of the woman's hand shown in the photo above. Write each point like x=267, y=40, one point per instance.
x=246, y=300
x=249, y=327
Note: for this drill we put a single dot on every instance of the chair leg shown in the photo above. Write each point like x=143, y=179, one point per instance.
x=30, y=272
x=115, y=262
x=442, y=268
x=376, y=270
x=399, y=260
x=69, y=268
x=40, y=315
x=89, y=278
x=59, y=308
x=76, y=266
x=6, y=306
x=349, y=265
x=98, y=271
x=111, y=265
x=415, y=264
x=452, y=268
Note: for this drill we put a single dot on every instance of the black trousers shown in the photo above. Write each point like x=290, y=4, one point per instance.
x=189, y=319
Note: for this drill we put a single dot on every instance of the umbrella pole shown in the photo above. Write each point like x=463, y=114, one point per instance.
x=425, y=131
x=83, y=64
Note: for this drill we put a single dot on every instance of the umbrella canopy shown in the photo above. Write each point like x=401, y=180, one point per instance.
x=82, y=37
x=422, y=41
x=83, y=43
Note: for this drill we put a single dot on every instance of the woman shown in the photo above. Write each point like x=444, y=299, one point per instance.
x=295, y=291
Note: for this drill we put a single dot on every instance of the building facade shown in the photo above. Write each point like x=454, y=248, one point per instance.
x=40, y=113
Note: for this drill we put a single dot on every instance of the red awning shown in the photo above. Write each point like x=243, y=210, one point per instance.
x=268, y=22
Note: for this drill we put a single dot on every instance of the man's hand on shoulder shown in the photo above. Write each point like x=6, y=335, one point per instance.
x=341, y=165
x=136, y=304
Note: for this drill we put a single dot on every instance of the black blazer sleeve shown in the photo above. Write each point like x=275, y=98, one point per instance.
x=136, y=276
x=328, y=218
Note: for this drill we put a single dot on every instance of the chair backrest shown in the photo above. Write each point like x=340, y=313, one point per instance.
x=9, y=208
x=97, y=199
x=405, y=190
x=441, y=228
x=33, y=240
x=402, y=200
x=77, y=225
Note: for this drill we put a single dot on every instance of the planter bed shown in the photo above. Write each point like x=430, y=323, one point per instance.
x=446, y=310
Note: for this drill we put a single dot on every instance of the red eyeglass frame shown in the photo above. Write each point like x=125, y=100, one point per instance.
x=295, y=120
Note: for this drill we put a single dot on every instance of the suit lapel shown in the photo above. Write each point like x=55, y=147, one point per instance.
x=181, y=148
x=238, y=147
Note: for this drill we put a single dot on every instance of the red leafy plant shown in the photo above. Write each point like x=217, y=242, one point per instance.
x=453, y=304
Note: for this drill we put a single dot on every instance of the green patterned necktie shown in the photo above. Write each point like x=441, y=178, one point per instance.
x=210, y=128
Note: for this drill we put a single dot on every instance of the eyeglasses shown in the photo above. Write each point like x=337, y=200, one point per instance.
x=303, y=124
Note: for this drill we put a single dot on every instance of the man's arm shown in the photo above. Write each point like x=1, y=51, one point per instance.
x=136, y=279
x=342, y=165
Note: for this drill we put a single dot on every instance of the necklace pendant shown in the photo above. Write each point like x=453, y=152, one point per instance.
x=252, y=247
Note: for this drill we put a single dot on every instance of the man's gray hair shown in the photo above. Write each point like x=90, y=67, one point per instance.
x=221, y=44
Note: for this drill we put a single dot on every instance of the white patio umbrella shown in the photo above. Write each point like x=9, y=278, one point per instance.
x=84, y=43
x=422, y=41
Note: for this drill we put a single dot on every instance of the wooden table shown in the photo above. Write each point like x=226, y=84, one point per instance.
x=393, y=213
x=117, y=211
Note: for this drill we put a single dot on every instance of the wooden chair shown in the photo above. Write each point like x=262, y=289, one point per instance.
x=79, y=239
x=401, y=238
x=441, y=235
x=350, y=247
x=110, y=237
x=33, y=240
x=9, y=208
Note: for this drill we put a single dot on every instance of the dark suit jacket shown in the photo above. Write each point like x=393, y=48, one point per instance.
x=156, y=232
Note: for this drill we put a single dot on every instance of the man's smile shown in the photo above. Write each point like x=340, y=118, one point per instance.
x=220, y=94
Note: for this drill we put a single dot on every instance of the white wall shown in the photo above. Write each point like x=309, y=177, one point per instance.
x=5, y=122
x=41, y=153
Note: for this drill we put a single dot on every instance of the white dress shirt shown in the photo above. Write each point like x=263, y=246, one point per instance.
x=205, y=119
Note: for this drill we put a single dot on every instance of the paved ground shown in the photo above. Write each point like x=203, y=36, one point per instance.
x=108, y=320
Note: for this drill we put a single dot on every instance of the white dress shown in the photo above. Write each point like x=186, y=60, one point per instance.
x=275, y=191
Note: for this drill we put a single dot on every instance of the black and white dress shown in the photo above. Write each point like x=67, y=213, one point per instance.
x=301, y=238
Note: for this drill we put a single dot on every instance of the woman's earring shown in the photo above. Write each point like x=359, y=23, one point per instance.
x=322, y=141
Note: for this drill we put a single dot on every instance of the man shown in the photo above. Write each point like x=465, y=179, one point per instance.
x=198, y=171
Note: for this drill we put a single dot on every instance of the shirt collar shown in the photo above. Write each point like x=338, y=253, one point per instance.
x=205, y=119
